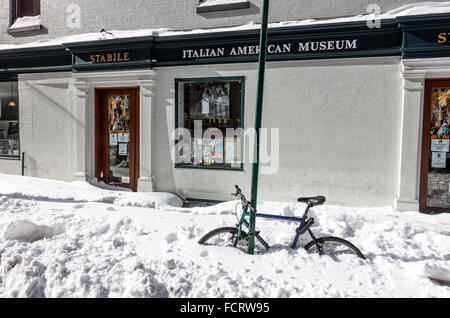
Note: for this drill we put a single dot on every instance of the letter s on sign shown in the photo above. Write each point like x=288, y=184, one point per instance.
x=442, y=38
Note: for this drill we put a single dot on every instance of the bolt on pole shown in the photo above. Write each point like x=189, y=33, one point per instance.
x=258, y=122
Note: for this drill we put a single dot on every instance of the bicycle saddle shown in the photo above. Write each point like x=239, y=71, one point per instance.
x=314, y=201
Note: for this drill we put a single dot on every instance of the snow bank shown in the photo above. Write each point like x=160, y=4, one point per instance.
x=52, y=190
x=438, y=274
x=96, y=249
x=27, y=231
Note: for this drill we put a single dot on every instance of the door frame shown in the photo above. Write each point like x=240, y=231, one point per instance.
x=101, y=140
x=426, y=144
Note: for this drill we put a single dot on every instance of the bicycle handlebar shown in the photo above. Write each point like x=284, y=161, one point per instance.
x=244, y=200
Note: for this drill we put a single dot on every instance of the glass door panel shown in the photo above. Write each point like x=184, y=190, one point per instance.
x=438, y=187
x=119, y=139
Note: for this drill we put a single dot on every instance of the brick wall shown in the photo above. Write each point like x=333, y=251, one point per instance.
x=339, y=127
x=177, y=14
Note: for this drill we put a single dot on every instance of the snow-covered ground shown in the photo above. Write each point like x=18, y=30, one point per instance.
x=62, y=239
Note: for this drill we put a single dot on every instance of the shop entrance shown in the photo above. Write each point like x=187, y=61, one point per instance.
x=117, y=136
x=435, y=170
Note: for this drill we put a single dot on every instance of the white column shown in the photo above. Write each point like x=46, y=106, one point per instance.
x=410, y=160
x=79, y=118
x=145, y=182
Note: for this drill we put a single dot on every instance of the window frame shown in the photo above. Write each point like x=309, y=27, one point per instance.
x=13, y=8
x=19, y=157
x=205, y=80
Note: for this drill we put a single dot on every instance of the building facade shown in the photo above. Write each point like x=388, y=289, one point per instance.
x=353, y=103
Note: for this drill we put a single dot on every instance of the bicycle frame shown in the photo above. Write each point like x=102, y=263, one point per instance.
x=302, y=222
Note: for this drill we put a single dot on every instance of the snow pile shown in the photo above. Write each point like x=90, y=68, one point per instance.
x=25, y=22
x=430, y=7
x=438, y=274
x=27, y=232
x=208, y=3
x=51, y=190
x=96, y=249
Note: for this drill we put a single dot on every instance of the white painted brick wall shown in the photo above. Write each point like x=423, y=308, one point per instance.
x=44, y=122
x=178, y=14
x=339, y=126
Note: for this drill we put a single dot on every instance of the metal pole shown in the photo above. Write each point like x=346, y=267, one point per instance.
x=258, y=122
x=23, y=164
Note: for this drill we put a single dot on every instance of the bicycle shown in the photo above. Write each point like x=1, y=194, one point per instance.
x=235, y=236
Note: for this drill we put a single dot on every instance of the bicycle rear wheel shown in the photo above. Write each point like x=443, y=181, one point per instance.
x=334, y=246
x=225, y=236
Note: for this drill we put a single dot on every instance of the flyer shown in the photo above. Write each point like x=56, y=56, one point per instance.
x=217, y=153
x=113, y=140
x=197, y=151
x=208, y=149
x=230, y=150
x=123, y=137
x=123, y=149
x=439, y=160
x=440, y=145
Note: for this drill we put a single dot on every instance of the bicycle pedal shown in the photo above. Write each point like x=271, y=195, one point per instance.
x=254, y=235
x=307, y=226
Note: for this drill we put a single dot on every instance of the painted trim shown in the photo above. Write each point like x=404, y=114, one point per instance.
x=217, y=79
x=162, y=51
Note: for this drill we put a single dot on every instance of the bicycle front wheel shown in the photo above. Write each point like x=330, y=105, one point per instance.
x=225, y=236
x=334, y=247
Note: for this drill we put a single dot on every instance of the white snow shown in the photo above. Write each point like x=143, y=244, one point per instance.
x=430, y=7
x=24, y=22
x=207, y=3
x=42, y=189
x=62, y=239
x=27, y=231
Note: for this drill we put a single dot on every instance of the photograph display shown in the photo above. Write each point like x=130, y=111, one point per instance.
x=216, y=105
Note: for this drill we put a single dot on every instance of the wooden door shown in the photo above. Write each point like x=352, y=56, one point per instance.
x=117, y=136
x=435, y=165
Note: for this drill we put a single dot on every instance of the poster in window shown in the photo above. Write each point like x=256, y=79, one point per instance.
x=440, y=145
x=123, y=149
x=113, y=139
x=124, y=137
x=208, y=149
x=229, y=150
x=439, y=160
x=238, y=151
x=197, y=151
x=211, y=100
x=217, y=153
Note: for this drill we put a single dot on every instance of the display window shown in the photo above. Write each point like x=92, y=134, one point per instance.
x=28, y=8
x=211, y=110
x=9, y=120
x=435, y=183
